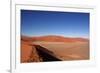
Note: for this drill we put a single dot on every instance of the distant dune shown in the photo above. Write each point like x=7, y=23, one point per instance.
x=53, y=38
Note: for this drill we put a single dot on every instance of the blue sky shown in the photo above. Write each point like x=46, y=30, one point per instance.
x=68, y=24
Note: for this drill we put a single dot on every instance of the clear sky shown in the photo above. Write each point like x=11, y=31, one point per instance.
x=68, y=24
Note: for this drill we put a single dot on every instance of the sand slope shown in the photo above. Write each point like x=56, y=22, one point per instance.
x=65, y=48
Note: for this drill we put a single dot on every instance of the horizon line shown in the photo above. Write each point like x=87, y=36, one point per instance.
x=55, y=35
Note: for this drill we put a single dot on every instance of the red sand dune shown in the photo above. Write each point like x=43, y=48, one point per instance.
x=52, y=38
x=30, y=54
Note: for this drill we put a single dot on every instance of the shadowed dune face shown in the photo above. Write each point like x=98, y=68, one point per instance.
x=61, y=47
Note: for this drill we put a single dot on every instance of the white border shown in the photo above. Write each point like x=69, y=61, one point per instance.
x=16, y=66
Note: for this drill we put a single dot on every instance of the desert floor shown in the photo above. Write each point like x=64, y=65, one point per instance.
x=67, y=51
